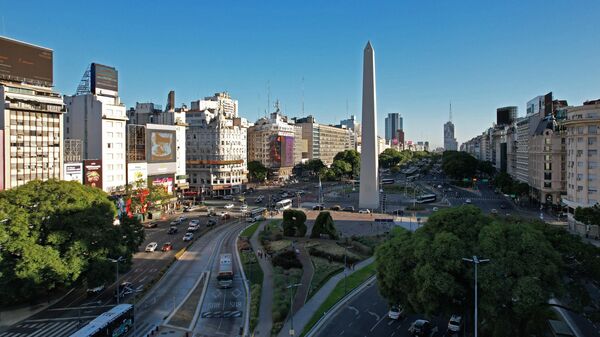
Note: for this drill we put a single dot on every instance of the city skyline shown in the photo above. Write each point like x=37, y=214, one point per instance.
x=431, y=56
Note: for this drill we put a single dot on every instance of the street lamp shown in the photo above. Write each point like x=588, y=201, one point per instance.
x=120, y=259
x=291, y=307
x=475, y=261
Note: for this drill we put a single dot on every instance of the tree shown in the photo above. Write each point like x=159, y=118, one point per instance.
x=324, y=225
x=424, y=270
x=486, y=167
x=257, y=172
x=294, y=223
x=341, y=169
x=315, y=166
x=459, y=165
x=390, y=158
x=352, y=157
x=55, y=233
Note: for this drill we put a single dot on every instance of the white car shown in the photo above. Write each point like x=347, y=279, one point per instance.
x=194, y=222
x=228, y=206
x=468, y=201
x=395, y=312
x=188, y=236
x=364, y=211
x=151, y=247
x=193, y=228
x=244, y=207
x=435, y=209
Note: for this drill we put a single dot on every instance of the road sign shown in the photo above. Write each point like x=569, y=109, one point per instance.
x=466, y=180
x=484, y=180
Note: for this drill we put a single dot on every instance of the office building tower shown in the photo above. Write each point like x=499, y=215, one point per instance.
x=393, y=123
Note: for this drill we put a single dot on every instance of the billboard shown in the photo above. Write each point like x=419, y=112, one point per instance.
x=164, y=181
x=104, y=77
x=73, y=172
x=24, y=62
x=160, y=146
x=92, y=173
x=137, y=172
x=281, y=151
x=275, y=151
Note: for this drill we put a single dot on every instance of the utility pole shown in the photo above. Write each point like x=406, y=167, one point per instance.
x=475, y=261
x=118, y=286
x=292, y=333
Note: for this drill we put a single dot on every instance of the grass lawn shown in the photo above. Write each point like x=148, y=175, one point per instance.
x=280, y=245
x=248, y=232
x=255, y=275
x=281, y=295
x=400, y=189
x=334, y=249
x=324, y=270
x=337, y=294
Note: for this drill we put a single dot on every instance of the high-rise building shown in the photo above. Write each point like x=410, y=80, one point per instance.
x=31, y=115
x=271, y=142
x=506, y=115
x=393, y=123
x=352, y=124
x=324, y=141
x=96, y=116
x=450, y=143
x=216, y=146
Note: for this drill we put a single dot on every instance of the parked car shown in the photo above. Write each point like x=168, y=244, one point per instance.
x=494, y=211
x=211, y=223
x=396, y=312
x=188, y=236
x=151, y=247
x=455, y=325
x=150, y=225
x=95, y=290
x=228, y=206
x=364, y=211
x=228, y=197
x=349, y=209
x=468, y=201
x=335, y=208
x=420, y=328
x=318, y=208
x=167, y=246
x=172, y=230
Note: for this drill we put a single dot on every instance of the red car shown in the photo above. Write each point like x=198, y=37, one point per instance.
x=167, y=247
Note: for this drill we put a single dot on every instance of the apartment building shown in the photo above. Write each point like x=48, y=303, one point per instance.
x=324, y=141
x=31, y=116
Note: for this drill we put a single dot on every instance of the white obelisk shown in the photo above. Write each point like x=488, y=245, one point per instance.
x=369, y=164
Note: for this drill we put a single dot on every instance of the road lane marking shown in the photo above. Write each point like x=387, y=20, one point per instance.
x=390, y=322
x=356, y=312
x=341, y=333
x=373, y=314
x=376, y=324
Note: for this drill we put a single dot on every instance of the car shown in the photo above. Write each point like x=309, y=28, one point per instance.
x=181, y=219
x=151, y=247
x=435, y=209
x=349, y=209
x=175, y=222
x=194, y=222
x=251, y=219
x=186, y=209
x=318, y=208
x=439, y=186
x=167, y=246
x=243, y=207
x=228, y=197
x=172, y=230
x=188, y=236
x=193, y=228
x=228, y=206
x=301, y=192
x=420, y=328
x=150, y=225
x=211, y=223
x=494, y=211
x=468, y=201
x=95, y=290
x=455, y=325
x=335, y=208
x=364, y=211
x=395, y=312
x=259, y=199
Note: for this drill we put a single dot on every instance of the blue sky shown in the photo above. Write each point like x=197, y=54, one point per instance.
x=479, y=54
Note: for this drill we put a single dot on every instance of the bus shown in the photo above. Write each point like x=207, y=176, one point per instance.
x=283, y=204
x=116, y=322
x=225, y=275
x=387, y=181
x=256, y=214
x=425, y=198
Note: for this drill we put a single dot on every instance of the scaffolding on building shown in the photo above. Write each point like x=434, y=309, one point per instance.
x=73, y=150
x=136, y=143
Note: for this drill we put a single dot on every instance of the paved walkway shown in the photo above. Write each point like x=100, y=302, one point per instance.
x=302, y=316
x=308, y=271
x=265, y=312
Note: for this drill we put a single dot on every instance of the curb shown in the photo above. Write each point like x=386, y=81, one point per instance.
x=246, y=287
x=336, y=307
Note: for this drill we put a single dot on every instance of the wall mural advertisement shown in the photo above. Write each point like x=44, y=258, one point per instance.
x=287, y=151
x=137, y=173
x=92, y=173
x=166, y=182
x=160, y=146
x=275, y=150
x=73, y=172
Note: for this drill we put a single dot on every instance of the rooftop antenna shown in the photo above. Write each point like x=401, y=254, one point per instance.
x=302, y=95
x=450, y=111
x=268, y=96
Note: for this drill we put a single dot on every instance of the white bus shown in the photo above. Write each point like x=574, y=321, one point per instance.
x=425, y=198
x=256, y=214
x=116, y=322
x=225, y=275
x=283, y=204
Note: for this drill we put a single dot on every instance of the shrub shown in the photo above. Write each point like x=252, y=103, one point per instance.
x=294, y=223
x=287, y=260
x=334, y=257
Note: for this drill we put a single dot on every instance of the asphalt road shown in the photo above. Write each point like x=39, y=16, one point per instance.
x=366, y=315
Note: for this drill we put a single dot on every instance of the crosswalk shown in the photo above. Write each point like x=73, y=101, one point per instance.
x=43, y=329
x=222, y=314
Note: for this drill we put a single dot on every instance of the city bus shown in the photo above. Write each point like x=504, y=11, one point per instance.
x=283, y=204
x=425, y=198
x=116, y=322
x=225, y=275
x=256, y=214
x=387, y=181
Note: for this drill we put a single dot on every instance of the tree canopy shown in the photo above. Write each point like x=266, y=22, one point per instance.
x=424, y=270
x=459, y=165
x=55, y=233
x=351, y=158
x=257, y=172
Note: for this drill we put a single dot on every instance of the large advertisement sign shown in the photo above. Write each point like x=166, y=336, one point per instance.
x=281, y=151
x=137, y=173
x=160, y=146
x=104, y=77
x=73, y=172
x=20, y=61
x=275, y=150
x=92, y=173
x=164, y=181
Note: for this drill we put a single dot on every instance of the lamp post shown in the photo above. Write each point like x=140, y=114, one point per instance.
x=475, y=261
x=120, y=259
x=292, y=333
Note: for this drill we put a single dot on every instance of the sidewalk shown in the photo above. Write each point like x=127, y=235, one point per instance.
x=304, y=315
x=265, y=312
x=307, y=274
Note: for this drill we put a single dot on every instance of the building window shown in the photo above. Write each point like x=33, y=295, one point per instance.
x=592, y=153
x=548, y=166
x=547, y=175
x=593, y=129
x=591, y=177
x=592, y=164
x=547, y=184
x=591, y=140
